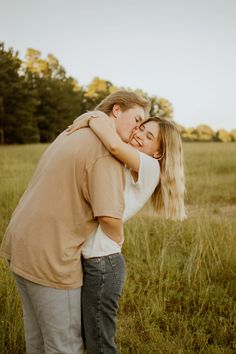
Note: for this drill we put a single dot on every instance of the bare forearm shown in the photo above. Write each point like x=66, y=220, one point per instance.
x=113, y=228
x=103, y=128
x=109, y=137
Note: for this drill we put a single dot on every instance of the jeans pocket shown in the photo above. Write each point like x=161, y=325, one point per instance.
x=118, y=267
x=92, y=272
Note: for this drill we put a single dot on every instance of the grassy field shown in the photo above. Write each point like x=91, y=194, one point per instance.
x=180, y=294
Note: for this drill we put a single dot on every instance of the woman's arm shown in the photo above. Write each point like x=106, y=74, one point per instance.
x=104, y=128
x=109, y=137
x=83, y=121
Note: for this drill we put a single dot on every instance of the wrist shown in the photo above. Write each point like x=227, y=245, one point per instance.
x=90, y=119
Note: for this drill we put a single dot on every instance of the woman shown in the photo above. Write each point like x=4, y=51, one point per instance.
x=154, y=168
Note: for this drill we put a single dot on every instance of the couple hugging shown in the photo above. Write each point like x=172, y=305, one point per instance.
x=64, y=240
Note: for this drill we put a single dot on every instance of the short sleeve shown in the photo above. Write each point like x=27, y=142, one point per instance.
x=105, y=183
x=149, y=172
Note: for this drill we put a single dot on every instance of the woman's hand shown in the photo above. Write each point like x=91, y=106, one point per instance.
x=83, y=121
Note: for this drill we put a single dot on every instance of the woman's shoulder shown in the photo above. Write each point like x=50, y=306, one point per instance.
x=149, y=161
x=148, y=175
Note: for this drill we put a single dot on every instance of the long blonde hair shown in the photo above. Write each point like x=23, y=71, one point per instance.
x=168, y=197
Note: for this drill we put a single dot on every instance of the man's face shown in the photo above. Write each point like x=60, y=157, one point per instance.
x=128, y=120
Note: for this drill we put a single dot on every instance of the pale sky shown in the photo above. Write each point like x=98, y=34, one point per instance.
x=182, y=50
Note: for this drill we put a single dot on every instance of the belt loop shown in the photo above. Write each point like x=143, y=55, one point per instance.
x=103, y=265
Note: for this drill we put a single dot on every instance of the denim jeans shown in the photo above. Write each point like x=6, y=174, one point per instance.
x=104, y=278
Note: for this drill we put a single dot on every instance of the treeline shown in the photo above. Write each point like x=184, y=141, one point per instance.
x=38, y=100
x=205, y=133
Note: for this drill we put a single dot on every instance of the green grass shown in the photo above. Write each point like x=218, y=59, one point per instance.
x=211, y=173
x=180, y=293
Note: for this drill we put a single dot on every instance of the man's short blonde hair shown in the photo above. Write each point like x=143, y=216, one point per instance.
x=125, y=99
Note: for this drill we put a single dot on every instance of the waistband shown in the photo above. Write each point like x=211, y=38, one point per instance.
x=109, y=256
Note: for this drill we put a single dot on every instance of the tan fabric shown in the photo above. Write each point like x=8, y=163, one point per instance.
x=76, y=180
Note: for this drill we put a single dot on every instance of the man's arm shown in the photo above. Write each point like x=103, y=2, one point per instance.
x=113, y=228
x=105, y=194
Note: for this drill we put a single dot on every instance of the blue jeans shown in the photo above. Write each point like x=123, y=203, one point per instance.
x=104, y=279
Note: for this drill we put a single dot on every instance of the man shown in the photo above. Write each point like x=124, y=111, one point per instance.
x=76, y=186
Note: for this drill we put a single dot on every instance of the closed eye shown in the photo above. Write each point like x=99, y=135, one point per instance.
x=142, y=128
x=150, y=136
x=138, y=119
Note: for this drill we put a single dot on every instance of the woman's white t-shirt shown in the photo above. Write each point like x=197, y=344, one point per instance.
x=136, y=194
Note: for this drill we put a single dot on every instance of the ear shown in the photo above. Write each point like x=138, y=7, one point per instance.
x=157, y=155
x=116, y=110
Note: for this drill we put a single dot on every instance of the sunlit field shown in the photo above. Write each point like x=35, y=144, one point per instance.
x=180, y=293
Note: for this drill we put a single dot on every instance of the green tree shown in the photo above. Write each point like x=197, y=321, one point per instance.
x=46, y=68
x=223, y=136
x=60, y=102
x=96, y=91
x=38, y=100
x=161, y=107
x=233, y=134
x=60, y=98
x=17, y=101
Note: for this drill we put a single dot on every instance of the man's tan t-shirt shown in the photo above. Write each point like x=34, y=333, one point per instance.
x=76, y=181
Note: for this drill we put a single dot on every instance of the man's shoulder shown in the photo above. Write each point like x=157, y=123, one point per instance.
x=86, y=139
x=90, y=138
x=90, y=146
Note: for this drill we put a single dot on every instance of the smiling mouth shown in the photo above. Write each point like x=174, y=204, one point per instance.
x=135, y=142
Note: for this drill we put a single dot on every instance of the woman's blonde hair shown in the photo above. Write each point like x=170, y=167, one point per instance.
x=125, y=99
x=168, y=197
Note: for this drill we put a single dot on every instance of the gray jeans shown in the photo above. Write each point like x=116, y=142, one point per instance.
x=104, y=278
x=52, y=318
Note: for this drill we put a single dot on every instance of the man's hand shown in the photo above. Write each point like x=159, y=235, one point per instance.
x=113, y=228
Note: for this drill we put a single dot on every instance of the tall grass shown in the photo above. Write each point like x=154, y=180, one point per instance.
x=211, y=173
x=180, y=293
x=181, y=289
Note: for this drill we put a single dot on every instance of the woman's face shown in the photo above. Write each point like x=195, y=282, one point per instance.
x=146, y=138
